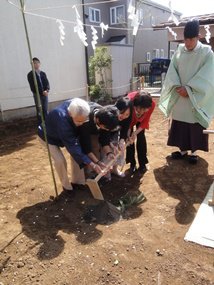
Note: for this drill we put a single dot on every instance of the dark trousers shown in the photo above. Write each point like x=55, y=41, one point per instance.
x=141, y=146
x=44, y=103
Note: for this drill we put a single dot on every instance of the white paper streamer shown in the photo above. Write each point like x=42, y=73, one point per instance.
x=136, y=22
x=79, y=28
x=76, y=11
x=61, y=31
x=208, y=34
x=172, y=16
x=94, y=37
x=172, y=32
x=135, y=17
x=131, y=10
x=103, y=27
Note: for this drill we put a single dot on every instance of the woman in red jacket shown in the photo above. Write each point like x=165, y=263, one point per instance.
x=143, y=106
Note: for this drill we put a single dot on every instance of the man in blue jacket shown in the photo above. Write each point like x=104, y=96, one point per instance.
x=61, y=127
x=43, y=86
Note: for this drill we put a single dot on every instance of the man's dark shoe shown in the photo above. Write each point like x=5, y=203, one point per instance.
x=77, y=187
x=69, y=193
x=193, y=159
x=142, y=169
x=178, y=155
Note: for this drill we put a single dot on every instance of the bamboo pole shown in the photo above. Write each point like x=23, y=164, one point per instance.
x=87, y=93
x=37, y=93
x=133, y=70
x=137, y=3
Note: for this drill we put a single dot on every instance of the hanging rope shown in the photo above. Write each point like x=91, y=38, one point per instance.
x=87, y=25
x=11, y=3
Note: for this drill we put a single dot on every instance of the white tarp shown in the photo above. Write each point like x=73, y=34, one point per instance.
x=202, y=229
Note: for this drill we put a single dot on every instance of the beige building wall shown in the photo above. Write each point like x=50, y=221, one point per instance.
x=149, y=41
x=64, y=65
x=119, y=75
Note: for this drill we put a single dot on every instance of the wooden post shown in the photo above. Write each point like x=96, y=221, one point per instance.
x=87, y=93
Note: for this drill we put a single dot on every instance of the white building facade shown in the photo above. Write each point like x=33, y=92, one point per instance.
x=65, y=65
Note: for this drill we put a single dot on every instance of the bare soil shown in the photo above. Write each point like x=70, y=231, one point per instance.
x=48, y=242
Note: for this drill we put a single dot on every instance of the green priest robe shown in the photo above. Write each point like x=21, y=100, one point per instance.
x=194, y=70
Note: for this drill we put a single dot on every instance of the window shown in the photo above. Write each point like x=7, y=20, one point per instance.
x=162, y=53
x=140, y=16
x=148, y=56
x=156, y=53
x=94, y=15
x=171, y=53
x=152, y=20
x=117, y=15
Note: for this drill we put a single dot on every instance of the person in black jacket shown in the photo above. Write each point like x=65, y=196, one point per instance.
x=100, y=119
x=94, y=135
x=112, y=139
x=43, y=86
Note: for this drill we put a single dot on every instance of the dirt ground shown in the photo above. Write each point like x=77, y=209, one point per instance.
x=48, y=242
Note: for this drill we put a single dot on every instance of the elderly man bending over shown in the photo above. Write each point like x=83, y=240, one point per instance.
x=61, y=126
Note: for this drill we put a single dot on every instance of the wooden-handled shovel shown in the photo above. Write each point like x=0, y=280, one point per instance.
x=93, y=183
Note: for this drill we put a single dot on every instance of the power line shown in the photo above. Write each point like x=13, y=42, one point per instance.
x=71, y=6
x=11, y=3
x=87, y=25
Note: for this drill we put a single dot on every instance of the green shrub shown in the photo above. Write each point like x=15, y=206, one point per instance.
x=95, y=92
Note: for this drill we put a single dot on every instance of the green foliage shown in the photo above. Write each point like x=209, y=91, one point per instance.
x=100, y=60
x=91, y=72
x=99, y=63
x=95, y=92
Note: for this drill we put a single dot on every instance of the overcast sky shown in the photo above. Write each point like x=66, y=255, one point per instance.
x=190, y=7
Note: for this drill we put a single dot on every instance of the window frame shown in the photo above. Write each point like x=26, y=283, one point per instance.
x=171, y=53
x=161, y=53
x=115, y=14
x=148, y=56
x=94, y=10
x=157, y=53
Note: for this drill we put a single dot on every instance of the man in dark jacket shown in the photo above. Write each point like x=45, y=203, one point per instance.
x=43, y=86
x=61, y=127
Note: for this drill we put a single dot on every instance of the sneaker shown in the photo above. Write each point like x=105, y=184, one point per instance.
x=193, y=159
x=133, y=168
x=178, y=155
x=118, y=173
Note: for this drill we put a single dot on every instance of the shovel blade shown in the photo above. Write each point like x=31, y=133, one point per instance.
x=95, y=189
